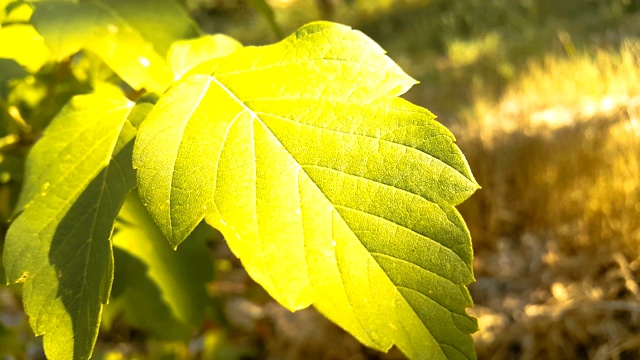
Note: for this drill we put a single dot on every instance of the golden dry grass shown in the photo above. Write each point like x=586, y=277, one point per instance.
x=556, y=226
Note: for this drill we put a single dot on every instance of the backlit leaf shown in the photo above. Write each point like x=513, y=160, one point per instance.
x=132, y=37
x=22, y=43
x=331, y=189
x=76, y=178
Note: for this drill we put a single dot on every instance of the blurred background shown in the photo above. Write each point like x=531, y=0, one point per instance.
x=544, y=99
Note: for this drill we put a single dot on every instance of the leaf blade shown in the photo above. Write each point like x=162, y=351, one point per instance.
x=132, y=38
x=59, y=244
x=331, y=190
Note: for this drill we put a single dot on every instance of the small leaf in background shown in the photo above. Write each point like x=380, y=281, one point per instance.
x=19, y=41
x=185, y=54
x=330, y=189
x=131, y=37
x=76, y=178
x=160, y=290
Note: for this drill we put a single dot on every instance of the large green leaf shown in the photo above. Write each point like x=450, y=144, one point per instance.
x=331, y=189
x=132, y=37
x=77, y=176
x=160, y=290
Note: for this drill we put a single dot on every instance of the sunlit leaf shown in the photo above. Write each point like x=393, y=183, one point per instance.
x=76, y=178
x=15, y=11
x=20, y=42
x=132, y=37
x=3, y=13
x=11, y=170
x=331, y=189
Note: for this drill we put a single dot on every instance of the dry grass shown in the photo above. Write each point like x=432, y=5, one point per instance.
x=556, y=226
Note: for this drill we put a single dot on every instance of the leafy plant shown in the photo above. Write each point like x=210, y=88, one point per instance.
x=332, y=190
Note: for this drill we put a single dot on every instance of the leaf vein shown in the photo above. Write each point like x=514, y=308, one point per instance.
x=439, y=341
x=343, y=283
x=380, y=217
x=173, y=163
x=404, y=146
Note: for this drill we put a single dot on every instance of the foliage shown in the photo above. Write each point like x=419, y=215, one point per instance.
x=332, y=190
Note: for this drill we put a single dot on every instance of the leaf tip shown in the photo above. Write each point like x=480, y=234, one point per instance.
x=176, y=239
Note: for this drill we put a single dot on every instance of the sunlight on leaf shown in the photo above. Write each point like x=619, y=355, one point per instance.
x=76, y=179
x=131, y=37
x=20, y=42
x=331, y=189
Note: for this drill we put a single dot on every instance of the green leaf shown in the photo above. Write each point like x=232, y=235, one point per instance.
x=162, y=290
x=3, y=12
x=77, y=176
x=331, y=189
x=185, y=54
x=14, y=11
x=132, y=37
x=22, y=43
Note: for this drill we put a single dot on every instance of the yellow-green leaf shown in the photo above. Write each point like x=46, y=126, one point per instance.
x=22, y=43
x=331, y=189
x=76, y=178
x=132, y=37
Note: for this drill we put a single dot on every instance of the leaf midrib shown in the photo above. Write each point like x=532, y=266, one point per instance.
x=95, y=210
x=205, y=89
x=64, y=208
x=46, y=168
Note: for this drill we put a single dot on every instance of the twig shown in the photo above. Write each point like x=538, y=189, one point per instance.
x=629, y=281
